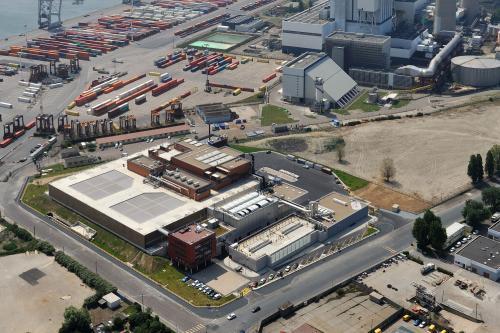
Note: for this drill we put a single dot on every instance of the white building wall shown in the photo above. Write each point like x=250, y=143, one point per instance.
x=305, y=35
x=477, y=267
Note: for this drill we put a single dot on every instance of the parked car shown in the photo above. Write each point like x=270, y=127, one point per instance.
x=295, y=265
x=271, y=276
x=185, y=279
x=416, y=322
x=458, y=244
x=422, y=324
x=256, y=309
x=231, y=316
x=287, y=269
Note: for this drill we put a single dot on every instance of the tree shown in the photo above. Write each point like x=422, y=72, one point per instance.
x=491, y=198
x=76, y=321
x=471, y=169
x=489, y=165
x=340, y=151
x=479, y=167
x=437, y=234
x=421, y=232
x=301, y=6
x=118, y=324
x=474, y=213
x=388, y=170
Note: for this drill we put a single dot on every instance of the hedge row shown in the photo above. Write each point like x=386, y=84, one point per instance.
x=91, y=279
x=22, y=234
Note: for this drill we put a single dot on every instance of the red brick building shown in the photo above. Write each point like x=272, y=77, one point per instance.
x=192, y=247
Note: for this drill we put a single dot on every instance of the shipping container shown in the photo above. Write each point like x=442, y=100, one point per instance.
x=5, y=105
x=5, y=142
x=141, y=99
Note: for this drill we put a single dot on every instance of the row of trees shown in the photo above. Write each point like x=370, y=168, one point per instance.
x=91, y=279
x=475, y=169
x=31, y=243
x=428, y=230
x=476, y=212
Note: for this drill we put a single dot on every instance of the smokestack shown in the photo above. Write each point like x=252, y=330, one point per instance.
x=445, y=16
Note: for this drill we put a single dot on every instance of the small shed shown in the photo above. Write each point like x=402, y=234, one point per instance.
x=112, y=301
x=376, y=297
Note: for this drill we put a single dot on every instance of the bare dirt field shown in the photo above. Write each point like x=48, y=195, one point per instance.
x=34, y=291
x=430, y=153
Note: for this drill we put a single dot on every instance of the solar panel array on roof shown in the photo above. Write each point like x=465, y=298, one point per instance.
x=145, y=206
x=104, y=185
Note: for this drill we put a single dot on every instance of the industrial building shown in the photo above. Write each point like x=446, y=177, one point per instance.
x=213, y=113
x=476, y=71
x=243, y=23
x=192, y=247
x=133, y=199
x=247, y=213
x=494, y=231
x=301, y=228
x=275, y=244
x=359, y=50
x=445, y=16
x=367, y=16
x=313, y=78
x=307, y=30
x=481, y=256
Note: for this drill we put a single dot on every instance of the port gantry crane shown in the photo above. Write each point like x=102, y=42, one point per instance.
x=49, y=13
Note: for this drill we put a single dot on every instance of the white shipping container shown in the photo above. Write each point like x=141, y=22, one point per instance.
x=55, y=85
x=35, y=85
x=92, y=108
x=24, y=99
x=32, y=90
x=24, y=83
x=29, y=94
x=5, y=105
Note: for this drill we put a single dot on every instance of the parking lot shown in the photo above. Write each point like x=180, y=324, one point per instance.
x=34, y=291
x=222, y=280
x=314, y=182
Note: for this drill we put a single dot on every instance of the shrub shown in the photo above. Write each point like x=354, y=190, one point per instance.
x=46, y=247
x=9, y=247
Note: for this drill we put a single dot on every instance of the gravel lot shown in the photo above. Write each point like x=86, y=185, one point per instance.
x=37, y=302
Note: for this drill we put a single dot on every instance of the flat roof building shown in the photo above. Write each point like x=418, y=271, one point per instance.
x=346, y=211
x=136, y=208
x=494, y=231
x=192, y=247
x=360, y=50
x=482, y=256
x=213, y=113
x=275, y=244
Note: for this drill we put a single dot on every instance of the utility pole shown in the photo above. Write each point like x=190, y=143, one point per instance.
x=96, y=266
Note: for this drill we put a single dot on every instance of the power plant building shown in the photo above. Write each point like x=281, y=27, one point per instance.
x=445, y=18
x=314, y=77
x=360, y=50
x=367, y=16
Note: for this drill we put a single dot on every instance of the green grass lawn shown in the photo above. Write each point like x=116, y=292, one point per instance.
x=401, y=103
x=275, y=114
x=255, y=98
x=160, y=269
x=343, y=112
x=58, y=169
x=360, y=104
x=353, y=182
x=246, y=149
x=370, y=230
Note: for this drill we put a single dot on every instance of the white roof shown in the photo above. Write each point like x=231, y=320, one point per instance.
x=336, y=82
x=453, y=228
x=111, y=298
x=118, y=200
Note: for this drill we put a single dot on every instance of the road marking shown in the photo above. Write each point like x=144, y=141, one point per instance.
x=195, y=329
x=245, y=291
x=390, y=250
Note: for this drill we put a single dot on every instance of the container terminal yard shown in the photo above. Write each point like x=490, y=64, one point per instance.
x=184, y=211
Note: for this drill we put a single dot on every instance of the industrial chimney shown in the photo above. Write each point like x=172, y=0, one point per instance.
x=445, y=16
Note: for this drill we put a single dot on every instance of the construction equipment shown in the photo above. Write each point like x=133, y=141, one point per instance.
x=45, y=124
x=38, y=73
x=49, y=14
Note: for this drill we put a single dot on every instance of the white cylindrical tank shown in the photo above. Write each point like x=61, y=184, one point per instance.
x=476, y=71
x=445, y=16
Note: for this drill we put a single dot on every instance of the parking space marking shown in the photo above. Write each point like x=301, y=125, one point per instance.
x=195, y=329
x=390, y=250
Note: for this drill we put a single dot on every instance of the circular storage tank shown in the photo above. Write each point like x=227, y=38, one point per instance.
x=476, y=71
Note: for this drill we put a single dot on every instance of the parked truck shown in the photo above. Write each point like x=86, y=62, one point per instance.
x=427, y=268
